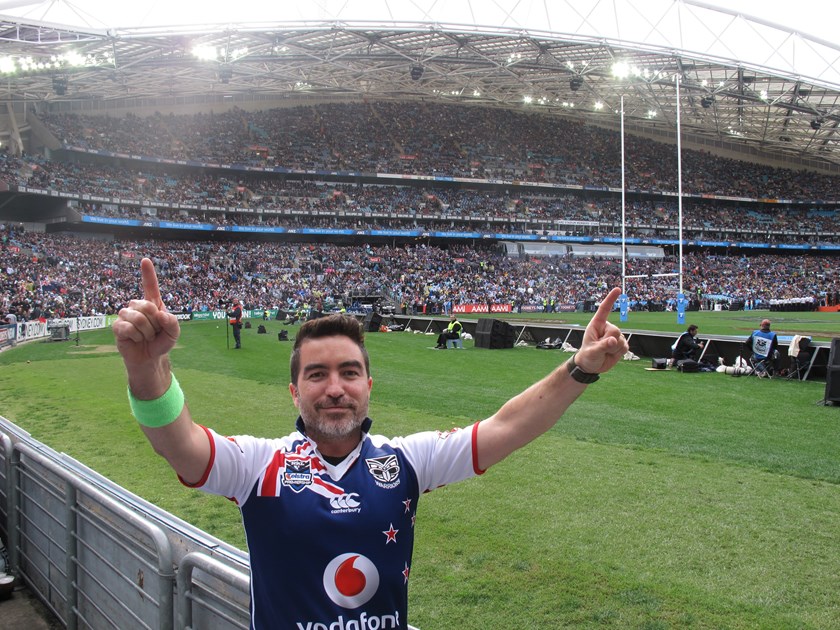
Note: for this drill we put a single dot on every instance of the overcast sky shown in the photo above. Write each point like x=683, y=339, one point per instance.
x=819, y=18
x=816, y=17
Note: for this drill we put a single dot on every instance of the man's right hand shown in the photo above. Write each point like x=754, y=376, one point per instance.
x=145, y=332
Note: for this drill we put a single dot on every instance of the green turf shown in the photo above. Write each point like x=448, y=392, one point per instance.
x=661, y=499
x=819, y=325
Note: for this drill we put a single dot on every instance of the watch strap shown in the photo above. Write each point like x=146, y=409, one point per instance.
x=579, y=375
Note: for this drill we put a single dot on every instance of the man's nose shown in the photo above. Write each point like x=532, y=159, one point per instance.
x=335, y=386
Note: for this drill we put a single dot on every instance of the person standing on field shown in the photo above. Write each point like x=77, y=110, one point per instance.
x=329, y=509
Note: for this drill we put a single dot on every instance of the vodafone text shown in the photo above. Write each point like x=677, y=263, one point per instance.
x=362, y=623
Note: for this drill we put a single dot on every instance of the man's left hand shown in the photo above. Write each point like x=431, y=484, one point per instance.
x=603, y=344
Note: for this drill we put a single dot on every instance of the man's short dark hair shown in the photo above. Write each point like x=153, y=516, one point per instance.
x=329, y=326
x=692, y=327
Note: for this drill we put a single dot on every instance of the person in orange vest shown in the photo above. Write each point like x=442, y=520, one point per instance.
x=235, y=320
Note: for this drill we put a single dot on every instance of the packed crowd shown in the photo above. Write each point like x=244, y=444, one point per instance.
x=264, y=201
x=62, y=275
x=54, y=274
x=343, y=208
x=433, y=139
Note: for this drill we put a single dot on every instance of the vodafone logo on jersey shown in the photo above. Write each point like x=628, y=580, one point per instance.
x=350, y=580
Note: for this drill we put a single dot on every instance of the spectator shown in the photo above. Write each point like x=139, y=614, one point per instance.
x=300, y=495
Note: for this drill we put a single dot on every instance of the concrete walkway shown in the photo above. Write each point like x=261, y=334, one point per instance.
x=24, y=611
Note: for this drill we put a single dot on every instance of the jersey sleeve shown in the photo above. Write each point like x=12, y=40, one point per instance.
x=442, y=457
x=236, y=464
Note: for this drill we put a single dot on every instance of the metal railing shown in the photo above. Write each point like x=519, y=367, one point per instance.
x=99, y=557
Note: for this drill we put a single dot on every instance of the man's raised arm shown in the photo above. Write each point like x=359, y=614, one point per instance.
x=145, y=332
x=537, y=409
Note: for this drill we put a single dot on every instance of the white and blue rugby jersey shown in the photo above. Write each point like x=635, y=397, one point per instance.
x=331, y=546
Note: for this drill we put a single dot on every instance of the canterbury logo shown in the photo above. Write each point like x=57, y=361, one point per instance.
x=345, y=501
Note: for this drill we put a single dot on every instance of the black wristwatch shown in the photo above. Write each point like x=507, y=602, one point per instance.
x=579, y=375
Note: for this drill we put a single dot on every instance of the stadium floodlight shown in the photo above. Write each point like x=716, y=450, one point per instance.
x=205, y=53
x=238, y=53
x=71, y=59
x=621, y=69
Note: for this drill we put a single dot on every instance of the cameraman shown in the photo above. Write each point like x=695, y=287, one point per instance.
x=234, y=316
x=686, y=346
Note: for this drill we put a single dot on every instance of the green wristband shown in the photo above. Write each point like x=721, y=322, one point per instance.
x=160, y=411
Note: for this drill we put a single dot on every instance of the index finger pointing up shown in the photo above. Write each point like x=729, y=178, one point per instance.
x=151, y=289
x=605, y=308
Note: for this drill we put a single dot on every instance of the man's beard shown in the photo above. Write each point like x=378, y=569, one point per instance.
x=320, y=426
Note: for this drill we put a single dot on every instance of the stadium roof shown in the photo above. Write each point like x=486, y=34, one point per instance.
x=743, y=79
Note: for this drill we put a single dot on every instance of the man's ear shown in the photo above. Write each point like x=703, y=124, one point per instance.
x=293, y=390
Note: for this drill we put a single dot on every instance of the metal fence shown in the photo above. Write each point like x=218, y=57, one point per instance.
x=99, y=557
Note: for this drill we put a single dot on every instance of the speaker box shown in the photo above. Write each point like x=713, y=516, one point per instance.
x=494, y=334
x=484, y=325
x=834, y=353
x=372, y=322
x=60, y=333
x=832, y=384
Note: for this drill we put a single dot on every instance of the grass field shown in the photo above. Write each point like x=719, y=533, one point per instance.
x=661, y=499
x=820, y=326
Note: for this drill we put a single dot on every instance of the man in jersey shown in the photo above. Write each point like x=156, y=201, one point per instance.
x=329, y=509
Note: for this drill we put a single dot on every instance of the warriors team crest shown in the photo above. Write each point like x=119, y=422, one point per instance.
x=384, y=470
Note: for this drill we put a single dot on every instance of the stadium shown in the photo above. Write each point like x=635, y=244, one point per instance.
x=501, y=161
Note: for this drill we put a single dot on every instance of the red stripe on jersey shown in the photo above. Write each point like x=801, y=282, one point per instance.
x=476, y=469
x=268, y=487
x=328, y=486
x=212, y=459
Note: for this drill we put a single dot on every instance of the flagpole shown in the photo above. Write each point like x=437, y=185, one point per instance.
x=682, y=303
x=623, y=300
x=623, y=231
x=679, y=183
